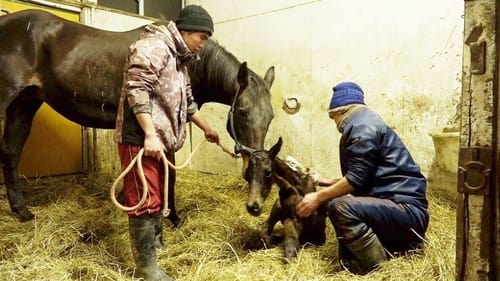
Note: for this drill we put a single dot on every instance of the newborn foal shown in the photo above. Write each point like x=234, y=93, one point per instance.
x=264, y=169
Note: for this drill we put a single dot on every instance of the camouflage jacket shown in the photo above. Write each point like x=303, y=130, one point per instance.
x=156, y=81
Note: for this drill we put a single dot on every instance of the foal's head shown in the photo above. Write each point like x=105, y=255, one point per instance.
x=259, y=175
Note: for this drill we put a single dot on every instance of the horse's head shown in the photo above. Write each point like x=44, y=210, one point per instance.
x=220, y=77
x=259, y=175
x=251, y=111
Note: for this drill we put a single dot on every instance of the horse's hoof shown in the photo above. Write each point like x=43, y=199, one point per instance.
x=290, y=255
x=292, y=248
x=175, y=220
x=24, y=215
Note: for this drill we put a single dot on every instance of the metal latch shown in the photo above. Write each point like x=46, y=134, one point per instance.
x=474, y=170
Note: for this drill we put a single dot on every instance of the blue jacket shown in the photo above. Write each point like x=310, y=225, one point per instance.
x=376, y=162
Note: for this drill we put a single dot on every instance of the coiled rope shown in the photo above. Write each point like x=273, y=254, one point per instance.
x=145, y=190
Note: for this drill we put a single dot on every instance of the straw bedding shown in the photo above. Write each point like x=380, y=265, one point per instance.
x=78, y=234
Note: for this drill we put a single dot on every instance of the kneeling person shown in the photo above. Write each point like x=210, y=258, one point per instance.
x=379, y=205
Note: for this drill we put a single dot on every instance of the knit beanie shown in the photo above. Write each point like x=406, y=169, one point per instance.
x=346, y=93
x=195, y=18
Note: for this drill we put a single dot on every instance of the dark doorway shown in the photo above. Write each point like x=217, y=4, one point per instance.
x=164, y=9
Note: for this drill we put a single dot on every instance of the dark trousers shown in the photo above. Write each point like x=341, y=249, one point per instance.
x=399, y=227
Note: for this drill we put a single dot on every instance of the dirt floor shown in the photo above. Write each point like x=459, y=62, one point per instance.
x=78, y=234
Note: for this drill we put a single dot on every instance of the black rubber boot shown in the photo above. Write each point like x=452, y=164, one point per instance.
x=367, y=251
x=346, y=259
x=142, y=239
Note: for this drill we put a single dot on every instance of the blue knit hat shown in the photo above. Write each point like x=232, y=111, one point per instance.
x=346, y=93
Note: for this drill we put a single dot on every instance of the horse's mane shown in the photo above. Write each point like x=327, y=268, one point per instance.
x=223, y=68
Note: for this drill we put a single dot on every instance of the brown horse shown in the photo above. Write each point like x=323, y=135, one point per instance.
x=77, y=70
x=264, y=169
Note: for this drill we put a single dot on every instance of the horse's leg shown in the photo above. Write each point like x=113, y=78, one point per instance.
x=292, y=225
x=274, y=217
x=292, y=244
x=269, y=236
x=13, y=75
x=19, y=117
x=171, y=192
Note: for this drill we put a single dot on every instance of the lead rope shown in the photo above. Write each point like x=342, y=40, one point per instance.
x=145, y=190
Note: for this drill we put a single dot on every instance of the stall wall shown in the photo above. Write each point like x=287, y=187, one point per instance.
x=406, y=55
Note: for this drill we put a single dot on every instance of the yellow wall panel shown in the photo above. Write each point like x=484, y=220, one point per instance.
x=17, y=6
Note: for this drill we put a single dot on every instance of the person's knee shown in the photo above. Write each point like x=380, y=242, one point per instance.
x=344, y=219
x=340, y=211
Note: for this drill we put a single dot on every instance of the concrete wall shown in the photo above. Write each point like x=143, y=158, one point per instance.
x=405, y=54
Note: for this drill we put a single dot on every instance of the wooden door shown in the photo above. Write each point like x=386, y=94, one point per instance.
x=478, y=234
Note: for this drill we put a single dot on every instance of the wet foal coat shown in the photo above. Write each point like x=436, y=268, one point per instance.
x=266, y=169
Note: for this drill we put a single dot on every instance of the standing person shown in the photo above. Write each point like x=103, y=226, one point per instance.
x=155, y=103
x=379, y=205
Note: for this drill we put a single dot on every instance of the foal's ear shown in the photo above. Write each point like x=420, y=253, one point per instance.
x=243, y=75
x=269, y=77
x=276, y=148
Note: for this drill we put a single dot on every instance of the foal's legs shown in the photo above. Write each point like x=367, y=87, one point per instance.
x=292, y=232
x=269, y=237
x=277, y=214
x=19, y=117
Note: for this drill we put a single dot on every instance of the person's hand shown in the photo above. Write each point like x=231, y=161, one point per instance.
x=212, y=136
x=153, y=147
x=308, y=204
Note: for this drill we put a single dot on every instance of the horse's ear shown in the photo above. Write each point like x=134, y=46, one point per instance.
x=276, y=148
x=269, y=77
x=243, y=75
